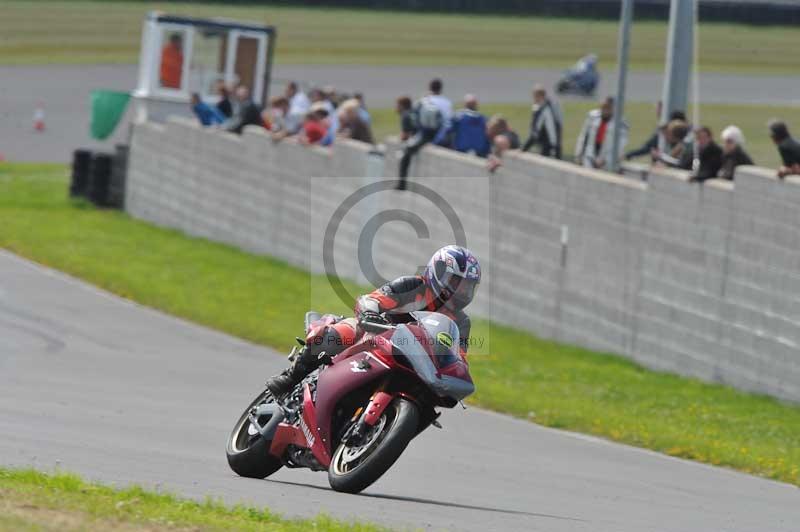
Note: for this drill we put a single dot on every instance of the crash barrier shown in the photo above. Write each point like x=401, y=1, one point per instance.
x=100, y=176
x=697, y=280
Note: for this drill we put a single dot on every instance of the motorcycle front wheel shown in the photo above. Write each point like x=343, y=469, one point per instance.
x=247, y=451
x=354, y=468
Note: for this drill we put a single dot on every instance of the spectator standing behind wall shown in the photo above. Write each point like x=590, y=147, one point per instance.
x=441, y=102
x=319, y=99
x=350, y=123
x=469, y=129
x=408, y=125
x=501, y=134
x=315, y=126
x=677, y=135
x=679, y=150
x=709, y=155
x=208, y=116
x=278, y=109
x=299, y=106
x=503, y=138
x=788, y=148
x=363, y=113
x=224, y=105
x=316, y=95
x=247, y=112
x=593, y=148
x=546, y=125
x=432, y=116
x=171, y=70
x=329, y=91
x=733, y=153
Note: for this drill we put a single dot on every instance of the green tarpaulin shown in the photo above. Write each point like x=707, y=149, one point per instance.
x=107, y=109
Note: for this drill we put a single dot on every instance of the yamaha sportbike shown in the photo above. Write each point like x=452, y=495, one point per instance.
x=354, y=416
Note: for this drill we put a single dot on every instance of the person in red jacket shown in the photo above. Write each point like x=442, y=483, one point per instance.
x=447, y=286
x=315, y=126
x=172, y=62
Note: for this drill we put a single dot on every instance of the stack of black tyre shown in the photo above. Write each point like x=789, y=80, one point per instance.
x=81, y=159
x=100, y=176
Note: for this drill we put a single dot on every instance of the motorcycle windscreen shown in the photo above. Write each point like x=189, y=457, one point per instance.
x=444, y=338
x=445, y=351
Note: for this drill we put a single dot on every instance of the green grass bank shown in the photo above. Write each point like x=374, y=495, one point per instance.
x=34, y=501
x=260, y=299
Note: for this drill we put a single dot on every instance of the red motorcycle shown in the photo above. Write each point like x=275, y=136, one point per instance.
x=355, y=415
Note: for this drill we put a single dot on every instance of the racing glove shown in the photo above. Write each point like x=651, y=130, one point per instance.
x=372, y=317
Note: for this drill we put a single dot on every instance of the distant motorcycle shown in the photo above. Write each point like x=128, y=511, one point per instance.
x=581, y=79
x=355, y=415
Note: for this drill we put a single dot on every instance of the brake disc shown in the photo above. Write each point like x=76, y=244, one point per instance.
x=351, y=454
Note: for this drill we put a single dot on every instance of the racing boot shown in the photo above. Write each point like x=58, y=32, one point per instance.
x=304, y=363
x=319, y=347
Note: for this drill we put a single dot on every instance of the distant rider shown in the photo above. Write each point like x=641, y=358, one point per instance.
x=447, y=286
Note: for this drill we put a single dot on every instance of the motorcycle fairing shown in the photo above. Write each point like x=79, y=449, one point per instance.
x=334, y=383
x=318, y=442
x=455, y=383
x=286, y=435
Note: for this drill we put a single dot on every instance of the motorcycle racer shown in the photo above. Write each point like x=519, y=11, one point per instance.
x=447, y=285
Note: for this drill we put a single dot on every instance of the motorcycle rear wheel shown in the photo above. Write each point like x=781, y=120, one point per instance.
x=353, y=469
x=247, y=451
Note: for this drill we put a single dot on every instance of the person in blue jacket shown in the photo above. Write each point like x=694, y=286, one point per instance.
x=469, y=129
x=208, y=116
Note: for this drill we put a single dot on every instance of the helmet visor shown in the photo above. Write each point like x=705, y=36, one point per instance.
x=461, y=290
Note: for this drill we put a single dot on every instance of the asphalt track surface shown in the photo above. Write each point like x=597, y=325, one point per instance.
x=63, y=91
x=119, y=393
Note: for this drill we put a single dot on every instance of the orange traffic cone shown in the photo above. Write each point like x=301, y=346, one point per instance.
x=38, y=118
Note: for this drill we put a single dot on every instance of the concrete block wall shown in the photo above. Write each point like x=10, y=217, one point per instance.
x=699, y=280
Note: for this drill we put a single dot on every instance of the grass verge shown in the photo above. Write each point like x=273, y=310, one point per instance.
x=752, y=119
x=42, y=32
x=260, y=299
x=30, y=500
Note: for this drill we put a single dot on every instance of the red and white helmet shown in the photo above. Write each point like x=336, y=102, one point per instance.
x=453, y=274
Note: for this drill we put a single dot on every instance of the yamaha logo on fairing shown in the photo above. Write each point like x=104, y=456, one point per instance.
x=307, y=432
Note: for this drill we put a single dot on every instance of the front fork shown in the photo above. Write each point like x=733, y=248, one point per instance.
x=364, y=418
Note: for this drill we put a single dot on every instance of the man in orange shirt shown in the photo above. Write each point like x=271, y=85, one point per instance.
x=172, y=62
